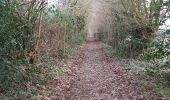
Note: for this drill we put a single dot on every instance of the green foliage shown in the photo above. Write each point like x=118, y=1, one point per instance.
x=99, y=36
x=74, y=24
x=133, y=44
x=79, y=39
x=159, y=52
x=58, y=17
x=116, y=53
x=16, y=39
x=11, y=72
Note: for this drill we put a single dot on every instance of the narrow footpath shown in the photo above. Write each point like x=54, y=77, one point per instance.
x=96, y=76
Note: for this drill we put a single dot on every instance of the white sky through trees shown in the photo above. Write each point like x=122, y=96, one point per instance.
x=58, y=4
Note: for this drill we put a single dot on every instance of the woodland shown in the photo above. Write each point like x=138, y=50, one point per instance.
x=39, y=37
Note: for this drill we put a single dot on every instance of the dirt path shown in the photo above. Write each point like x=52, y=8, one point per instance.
x=96, y=76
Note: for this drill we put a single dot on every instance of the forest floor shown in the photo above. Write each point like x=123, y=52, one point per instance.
x=94, y=75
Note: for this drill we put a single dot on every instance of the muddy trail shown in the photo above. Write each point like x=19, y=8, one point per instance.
x=95, y=75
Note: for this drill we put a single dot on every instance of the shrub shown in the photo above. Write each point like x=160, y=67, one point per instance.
x=159, y=51
x=17, y=39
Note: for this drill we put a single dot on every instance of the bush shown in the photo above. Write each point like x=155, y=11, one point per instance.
x=159, y=52
x=132, y=42
x=17, y=39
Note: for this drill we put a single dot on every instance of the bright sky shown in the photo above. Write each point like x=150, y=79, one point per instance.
x=167, y=22
x=166, y=26
x=51, y=2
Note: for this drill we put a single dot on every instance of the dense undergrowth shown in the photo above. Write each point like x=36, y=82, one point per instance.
x=35, y=41
x=151, y=67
